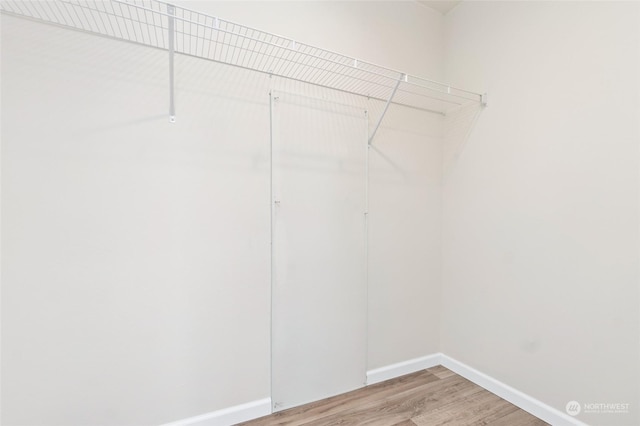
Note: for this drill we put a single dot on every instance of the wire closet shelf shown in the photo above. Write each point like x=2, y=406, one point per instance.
x=184, y=31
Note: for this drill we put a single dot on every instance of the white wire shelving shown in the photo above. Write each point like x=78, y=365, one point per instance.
x=184, y=31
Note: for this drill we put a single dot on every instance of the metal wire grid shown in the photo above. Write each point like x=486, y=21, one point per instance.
x=147, y=22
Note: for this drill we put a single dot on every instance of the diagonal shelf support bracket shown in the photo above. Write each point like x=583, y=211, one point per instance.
x=386, y=107
x=171, y=11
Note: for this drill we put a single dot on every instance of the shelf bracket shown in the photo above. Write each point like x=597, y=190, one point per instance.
x=171, y=11
x=386, y=107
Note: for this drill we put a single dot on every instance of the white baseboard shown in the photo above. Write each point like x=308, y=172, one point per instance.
x=514, y=396
x=262, y=407
x=228, y=416
x=401, y=368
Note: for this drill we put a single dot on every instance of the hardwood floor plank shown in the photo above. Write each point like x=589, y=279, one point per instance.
x=338, y=404
x=441, y=372
x=518, y=418
x=405, y=405
x=452, y=413
x=432, y=397
x=502, y=409
x=405, y=423
x=478, y=407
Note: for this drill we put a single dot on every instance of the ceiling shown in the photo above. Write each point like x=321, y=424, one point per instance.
x=442, y=6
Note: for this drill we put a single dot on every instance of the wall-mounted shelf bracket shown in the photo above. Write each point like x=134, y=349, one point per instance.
x=483, y=99
x=386, y=107
x=171, y=11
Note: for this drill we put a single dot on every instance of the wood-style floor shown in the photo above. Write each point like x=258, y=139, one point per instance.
x=431, y=397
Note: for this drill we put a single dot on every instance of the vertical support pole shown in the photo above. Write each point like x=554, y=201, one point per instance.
x=274, y=405
x=171, y=11
x=386, y=107
x=366, y=235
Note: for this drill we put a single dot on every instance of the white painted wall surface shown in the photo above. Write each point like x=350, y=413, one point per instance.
x=405, y=162
x=135, y=267
x=135, y=284
x=404, y=238
x=540, y=231
x=319, y=289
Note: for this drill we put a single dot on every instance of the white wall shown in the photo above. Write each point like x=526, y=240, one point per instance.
x=135, y=267
x=405, y=161
x=540, y=231
x=135, y=253
x=404, y=257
